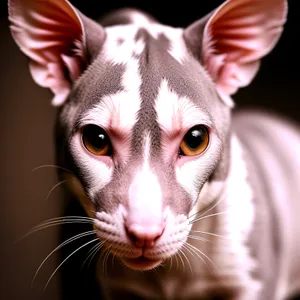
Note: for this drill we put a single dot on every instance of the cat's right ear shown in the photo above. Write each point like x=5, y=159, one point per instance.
x=59, y=41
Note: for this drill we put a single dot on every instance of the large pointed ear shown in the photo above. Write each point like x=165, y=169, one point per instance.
x=231, y=40
x=58, y=40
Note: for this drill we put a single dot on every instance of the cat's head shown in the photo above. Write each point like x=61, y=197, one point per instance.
x=144, y=117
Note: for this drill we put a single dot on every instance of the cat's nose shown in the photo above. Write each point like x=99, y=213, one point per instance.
x=144, y=236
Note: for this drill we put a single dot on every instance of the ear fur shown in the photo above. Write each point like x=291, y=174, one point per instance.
x=233, y=39
x=52, y=34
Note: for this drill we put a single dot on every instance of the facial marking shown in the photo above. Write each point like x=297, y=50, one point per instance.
x=176, y=113
x=140, y=20
x=121, y=53
x=145, y=195
x=177, y=48
x=118, y=111
x=91, y=167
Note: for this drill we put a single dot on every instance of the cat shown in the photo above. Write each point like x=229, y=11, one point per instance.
x=192, y=200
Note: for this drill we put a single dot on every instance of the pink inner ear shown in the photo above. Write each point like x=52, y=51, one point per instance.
x=51, y=34
x=237, y=36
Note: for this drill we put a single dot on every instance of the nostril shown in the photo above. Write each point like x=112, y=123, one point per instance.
x=144, y=236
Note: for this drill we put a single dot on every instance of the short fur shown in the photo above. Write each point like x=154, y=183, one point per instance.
x=147, y=84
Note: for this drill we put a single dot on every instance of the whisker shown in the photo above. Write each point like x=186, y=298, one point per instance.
x=113, y=260
x=103, y=254
x=55, y=222
x=177, y=264
x=191, y=269
x=202, y=253
x=55, y=186
x=199, y=238
x=208, y=216
x=63, y=219
x=205, y=212
x=91, y=254
x=84, y=245
x=209, y=233
x=66, y=218
x=182, y=262
x=197, y=254
x=171, y=263
x=107, y=253
x=50, y=166
x=100, y=246
x=100, y=256
x=57, y=248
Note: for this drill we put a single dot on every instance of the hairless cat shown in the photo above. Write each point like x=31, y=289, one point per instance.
x=171, y=179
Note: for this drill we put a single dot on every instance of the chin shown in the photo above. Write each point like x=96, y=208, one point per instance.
x=141, y=263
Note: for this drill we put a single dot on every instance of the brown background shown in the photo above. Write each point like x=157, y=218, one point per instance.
x=27, y=120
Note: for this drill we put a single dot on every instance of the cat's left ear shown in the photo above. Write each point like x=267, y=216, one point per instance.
x=59, y=41
x=230, y=41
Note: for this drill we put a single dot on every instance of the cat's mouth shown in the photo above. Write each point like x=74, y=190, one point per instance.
x=112, y=232
x=141, y=263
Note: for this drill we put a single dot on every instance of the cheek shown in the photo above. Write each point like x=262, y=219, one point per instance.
x=187, y=176
x=77, y=190
x=96, y=171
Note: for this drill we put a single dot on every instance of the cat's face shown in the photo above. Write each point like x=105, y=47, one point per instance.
x=151, y=133
x=144, y=123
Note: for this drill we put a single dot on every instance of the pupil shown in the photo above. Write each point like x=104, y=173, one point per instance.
x=195, y=138
x=100, y=141
x=95, y=137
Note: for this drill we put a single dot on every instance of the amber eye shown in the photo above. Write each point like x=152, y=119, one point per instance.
x=195, y=141
x=96, y=140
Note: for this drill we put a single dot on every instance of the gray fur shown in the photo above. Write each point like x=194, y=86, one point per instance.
x=274, y=241
x=186, y=79
x=189, y=79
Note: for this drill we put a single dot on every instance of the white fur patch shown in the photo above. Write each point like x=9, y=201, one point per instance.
x=119, y=111
x=177, y=47
x=175, y=113
x=233, y=221
x=96, y=171
x=185, y=175
x=120, y=44
x=239, y=197
x=145, y=195
x=139, y=19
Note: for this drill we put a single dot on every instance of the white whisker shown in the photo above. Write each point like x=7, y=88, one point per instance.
x=92, y=241
x=177, y=263
x=66, y=218
x=58, y=247
x=55, y=222
x=171, y=263
x=199, y=238
x=190, y=267
x=207, y=211
x=197, y=254
x=91, y=254
x=208, y=216
x=202, y=253
x=55, y=186
x=182, y=262
x=209, y=233
x=113, y=260
x=50, y=166
x=106, y=259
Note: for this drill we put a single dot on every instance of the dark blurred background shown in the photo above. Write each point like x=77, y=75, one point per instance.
x=27, y=120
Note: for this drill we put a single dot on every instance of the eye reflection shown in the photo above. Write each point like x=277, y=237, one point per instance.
x=96, y=140
x=195, y=141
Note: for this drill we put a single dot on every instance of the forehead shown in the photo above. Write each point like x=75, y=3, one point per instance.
x=134, y=69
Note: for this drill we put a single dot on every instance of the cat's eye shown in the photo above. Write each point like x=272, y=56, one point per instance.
x=96, y=140
x=195, y=141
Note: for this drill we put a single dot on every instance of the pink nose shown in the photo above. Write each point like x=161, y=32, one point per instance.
x=144, y=236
